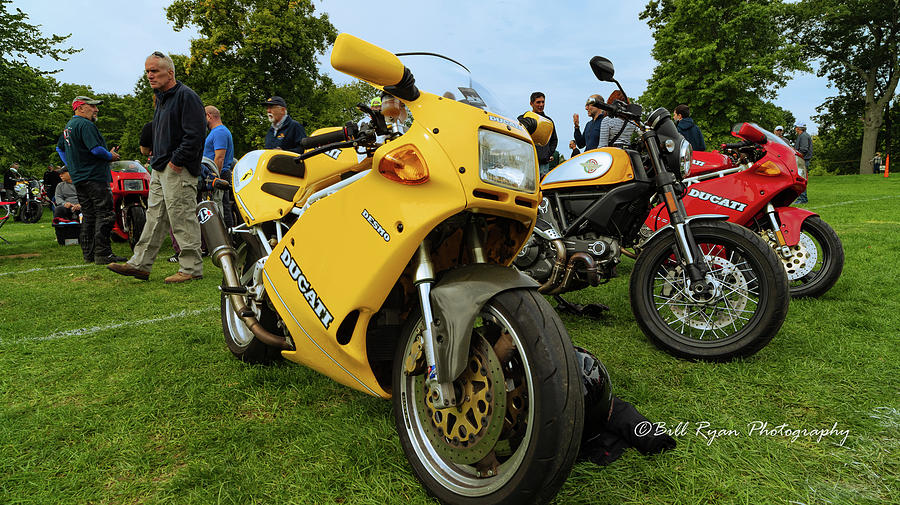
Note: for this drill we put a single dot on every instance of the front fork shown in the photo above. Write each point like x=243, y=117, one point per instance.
x=782, y=247
x=443, y=392
x=686, y=247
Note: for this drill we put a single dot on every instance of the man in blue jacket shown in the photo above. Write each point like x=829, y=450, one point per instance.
x=179, y=127
x=285, y=133
x=83, y=149
x=687, y=128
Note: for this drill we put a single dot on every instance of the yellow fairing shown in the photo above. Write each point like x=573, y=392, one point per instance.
x=334, y=268
x=620, y=171
x=264, y=191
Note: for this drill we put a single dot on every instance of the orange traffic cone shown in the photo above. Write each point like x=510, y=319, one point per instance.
x=887, y=165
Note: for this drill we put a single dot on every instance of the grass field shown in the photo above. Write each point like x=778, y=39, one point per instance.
x=116, y=391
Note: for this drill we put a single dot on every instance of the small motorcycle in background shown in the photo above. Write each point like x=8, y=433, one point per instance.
x=754, y=182
x=130, y=187
x=29, y=208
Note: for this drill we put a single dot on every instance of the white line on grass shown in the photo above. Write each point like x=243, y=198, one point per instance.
x=80, y=332
x=42, y=269
x=851, y=202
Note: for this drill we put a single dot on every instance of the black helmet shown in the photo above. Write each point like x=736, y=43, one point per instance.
x=597, y=389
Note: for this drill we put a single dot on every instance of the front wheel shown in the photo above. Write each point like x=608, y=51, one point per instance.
x=32, y=211
x=136, y=218
x=816, y=262
x=742, y=309
x=515, y=433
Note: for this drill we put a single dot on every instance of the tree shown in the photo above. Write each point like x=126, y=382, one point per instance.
x=24, y=90
x=250, y=50
x=857, y=42
x=725, y=59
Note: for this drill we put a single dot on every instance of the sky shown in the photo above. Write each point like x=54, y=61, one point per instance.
x=512, y=47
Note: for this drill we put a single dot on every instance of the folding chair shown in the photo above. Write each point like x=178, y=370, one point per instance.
x=8, y=207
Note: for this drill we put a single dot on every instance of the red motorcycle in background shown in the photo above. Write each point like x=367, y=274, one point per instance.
x=130, y=186
x=754, y=182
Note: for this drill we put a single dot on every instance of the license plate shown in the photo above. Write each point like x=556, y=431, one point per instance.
x=133, y=185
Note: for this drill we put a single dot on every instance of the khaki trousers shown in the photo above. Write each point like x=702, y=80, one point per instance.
x=171, y=204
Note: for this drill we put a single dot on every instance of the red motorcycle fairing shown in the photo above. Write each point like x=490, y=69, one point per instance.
x=705, y=162
x=791, y=222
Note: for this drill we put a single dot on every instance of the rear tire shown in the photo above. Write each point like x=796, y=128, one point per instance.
x=239, y=339
x=747, y=310
x=528, y=435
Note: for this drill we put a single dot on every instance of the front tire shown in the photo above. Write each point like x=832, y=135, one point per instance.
x=515, y=434
x=745, y=310
x=137, y=218
x=817, y=260
x=32, y=211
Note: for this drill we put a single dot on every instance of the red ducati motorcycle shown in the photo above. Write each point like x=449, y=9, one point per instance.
x=754, y=182
x=130, y=188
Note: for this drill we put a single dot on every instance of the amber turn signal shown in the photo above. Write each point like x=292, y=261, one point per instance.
x=768, y=169
x=404, y=165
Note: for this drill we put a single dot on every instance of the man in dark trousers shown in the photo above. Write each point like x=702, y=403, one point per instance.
x=285, y=133
x=687, y=128
x=83, y=150
x=179, y=126
x=545, y=152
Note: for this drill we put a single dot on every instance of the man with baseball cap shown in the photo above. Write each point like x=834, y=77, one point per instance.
x=83, y=149
x=779, y=130
x=803, y=144
x=285, y=133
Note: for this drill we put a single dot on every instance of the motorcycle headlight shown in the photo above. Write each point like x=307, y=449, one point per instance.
x=801, y=166
x=685, y=157
x=506, y=161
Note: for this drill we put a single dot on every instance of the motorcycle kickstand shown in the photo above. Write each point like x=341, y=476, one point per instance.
x=594, y=310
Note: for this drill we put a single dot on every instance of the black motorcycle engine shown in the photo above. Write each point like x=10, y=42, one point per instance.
x=537, y=258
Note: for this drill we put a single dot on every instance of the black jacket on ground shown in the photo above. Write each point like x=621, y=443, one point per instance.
x=179, y=128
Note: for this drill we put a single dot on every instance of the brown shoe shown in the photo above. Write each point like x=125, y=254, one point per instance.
x=126, y=269
x=181, y=277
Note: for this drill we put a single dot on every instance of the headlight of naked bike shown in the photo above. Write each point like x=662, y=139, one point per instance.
x=686, y=157
x=506, y=161
x=801, y=166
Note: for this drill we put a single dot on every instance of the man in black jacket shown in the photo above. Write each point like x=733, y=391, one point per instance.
x=285, y=132
x=179, y=127
x=687, y=128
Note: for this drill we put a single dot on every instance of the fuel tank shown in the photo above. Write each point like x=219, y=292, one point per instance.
x=607, y=165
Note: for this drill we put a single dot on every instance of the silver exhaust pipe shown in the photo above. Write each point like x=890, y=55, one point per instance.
x=223, y=256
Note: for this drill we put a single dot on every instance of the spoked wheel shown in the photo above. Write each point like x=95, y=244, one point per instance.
x=515, y=433
x=743, y=305
x=136, y=219
x=32, y=211
x=239, y=339
x=816, y=262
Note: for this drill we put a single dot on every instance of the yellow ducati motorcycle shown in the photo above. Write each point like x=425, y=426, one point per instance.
x=391, y=275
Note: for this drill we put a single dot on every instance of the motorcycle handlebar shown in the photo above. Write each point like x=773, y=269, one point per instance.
x=348, y=132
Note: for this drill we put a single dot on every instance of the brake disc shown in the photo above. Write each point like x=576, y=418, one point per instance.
x=803, y=259
x=466, y=433
x=719, y=312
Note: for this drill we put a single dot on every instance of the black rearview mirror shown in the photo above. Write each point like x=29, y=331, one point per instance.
x=603, y=68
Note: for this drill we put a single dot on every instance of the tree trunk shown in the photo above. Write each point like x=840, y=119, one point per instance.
x=869, y=141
